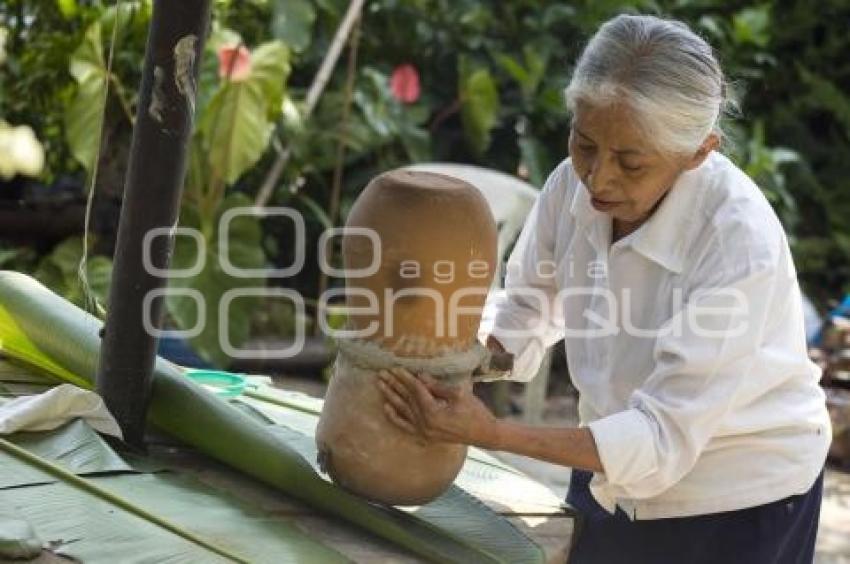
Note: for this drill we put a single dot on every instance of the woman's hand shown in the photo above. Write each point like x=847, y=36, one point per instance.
x=437, y=412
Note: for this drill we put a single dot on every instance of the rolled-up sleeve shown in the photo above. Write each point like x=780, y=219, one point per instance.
x=703, y=363
x=527, y=321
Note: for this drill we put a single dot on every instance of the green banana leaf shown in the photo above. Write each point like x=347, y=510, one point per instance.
x=208, y=514
x=76, y=447
x=18, y=539
x=90, y=529
x=17, y=380
x=258, y=389
x=455, y=510
x=482, y=474
x=16, y=344
x=12, y=372
x=43, y=326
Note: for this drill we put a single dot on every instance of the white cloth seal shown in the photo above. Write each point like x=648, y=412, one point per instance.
x=56, y=407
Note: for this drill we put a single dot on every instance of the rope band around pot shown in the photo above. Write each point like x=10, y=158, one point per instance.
x=451, y=367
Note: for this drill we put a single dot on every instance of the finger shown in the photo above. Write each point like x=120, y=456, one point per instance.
x=396, y=383
x=439, y=389
x=402, y=373
x=399, y=421
x=386, y=374
x=407, y=379
x=424, y=396
x=397, y=373
x=420, y=398
x=383, y=376
x=401, y=404
x=401, y=370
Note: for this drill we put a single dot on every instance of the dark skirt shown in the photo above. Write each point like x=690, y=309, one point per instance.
x=781, y=532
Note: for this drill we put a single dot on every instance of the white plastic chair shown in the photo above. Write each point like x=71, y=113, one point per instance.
x=510, y=200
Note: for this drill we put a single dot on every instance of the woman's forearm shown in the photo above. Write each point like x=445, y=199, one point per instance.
x=567, y=446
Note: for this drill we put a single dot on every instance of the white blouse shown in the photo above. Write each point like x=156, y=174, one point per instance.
x=685, y=340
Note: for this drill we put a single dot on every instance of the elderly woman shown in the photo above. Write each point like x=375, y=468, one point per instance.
x=703, y=428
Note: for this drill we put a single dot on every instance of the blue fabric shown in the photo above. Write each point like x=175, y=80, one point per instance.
x=179, y=351
x=841, y=310
x=782, y=532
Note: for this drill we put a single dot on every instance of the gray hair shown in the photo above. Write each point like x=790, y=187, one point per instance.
x=666, y=73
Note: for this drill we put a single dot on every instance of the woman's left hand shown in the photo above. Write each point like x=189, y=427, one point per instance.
x=438, y=412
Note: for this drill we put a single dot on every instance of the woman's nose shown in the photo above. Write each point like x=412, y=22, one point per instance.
x=602, y=174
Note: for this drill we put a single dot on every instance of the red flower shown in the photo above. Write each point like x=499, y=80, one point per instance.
x=404, y=83
x=234, y=63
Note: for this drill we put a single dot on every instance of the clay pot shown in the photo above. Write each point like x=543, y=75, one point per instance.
x=438, y=238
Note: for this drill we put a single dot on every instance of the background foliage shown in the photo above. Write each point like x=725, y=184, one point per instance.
x=490, y=77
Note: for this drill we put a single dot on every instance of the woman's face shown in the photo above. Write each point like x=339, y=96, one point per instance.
x=625, y=175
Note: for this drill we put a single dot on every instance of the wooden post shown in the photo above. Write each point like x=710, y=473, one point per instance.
x=152, y=192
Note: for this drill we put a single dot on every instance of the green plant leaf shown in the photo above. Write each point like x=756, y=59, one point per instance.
x=23, y=259
x=318, y=212
x=8, y=255
x=75, y=446
x=292, y=117
x=295, y=419
x=86, y=528
x=18, y=539
x=292, y=23
x=390, y=121
x=375, y=101
x=528, y=74
x=536, y=159
x=479, y=105
x=713, y=25
x=235, y=126
x=825, y=94
x=752, y=25
x=221, y=37
x=84, y=115
x=17, y=379
x=60, y=271
x=59, y=330
x=536, y=60
x=513, y=67
x=236, y=129
x=270, y=68
x=68, y=8
x=416, y=142
x=245, y=251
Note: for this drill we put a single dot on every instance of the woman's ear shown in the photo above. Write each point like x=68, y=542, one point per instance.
x=711, y=143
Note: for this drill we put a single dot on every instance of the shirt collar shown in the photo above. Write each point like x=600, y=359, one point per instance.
x=665, y=236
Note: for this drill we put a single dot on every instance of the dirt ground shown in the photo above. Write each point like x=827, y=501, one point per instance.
x=833, y=544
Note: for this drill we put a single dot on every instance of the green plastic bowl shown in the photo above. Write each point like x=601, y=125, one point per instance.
x=223, y=384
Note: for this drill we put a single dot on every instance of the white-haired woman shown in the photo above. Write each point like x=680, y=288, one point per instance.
x=703, y=428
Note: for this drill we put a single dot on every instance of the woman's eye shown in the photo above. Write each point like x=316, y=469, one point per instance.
x=631, y=168
x=586, y=148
